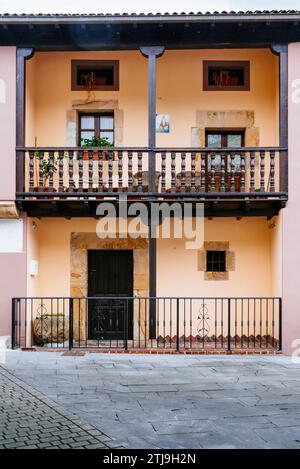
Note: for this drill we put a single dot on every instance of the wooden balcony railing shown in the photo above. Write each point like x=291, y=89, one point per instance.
x=97, y=173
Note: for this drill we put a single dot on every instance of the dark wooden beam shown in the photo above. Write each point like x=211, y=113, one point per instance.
x=281, y=50
x=152, y=53
x=76, y=208
x=23, y=54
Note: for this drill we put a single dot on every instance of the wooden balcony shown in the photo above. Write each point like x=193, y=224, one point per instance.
x=230, y=182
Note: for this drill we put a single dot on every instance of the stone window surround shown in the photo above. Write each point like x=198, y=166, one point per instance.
x=229, y=119
x=82, y=105
x=216, y=246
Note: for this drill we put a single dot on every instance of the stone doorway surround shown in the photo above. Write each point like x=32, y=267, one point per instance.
x=80, y=244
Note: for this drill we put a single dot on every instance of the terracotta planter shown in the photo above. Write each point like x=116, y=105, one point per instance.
x=85, y=155
x=50, y=329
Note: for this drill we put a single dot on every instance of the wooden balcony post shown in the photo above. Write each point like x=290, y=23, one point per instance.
x=152, y=53
x=23, y=54
x=281, y=50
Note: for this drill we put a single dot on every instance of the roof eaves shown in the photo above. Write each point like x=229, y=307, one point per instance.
x=193, y=17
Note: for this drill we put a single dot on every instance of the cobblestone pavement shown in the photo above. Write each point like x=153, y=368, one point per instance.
x=30, y=420
x=167, y=401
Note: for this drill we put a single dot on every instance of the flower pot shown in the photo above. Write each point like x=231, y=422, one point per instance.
x=97, y=154
x=49, y=328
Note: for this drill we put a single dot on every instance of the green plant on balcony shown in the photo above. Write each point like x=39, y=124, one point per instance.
x=95, y=142
x=48, y=165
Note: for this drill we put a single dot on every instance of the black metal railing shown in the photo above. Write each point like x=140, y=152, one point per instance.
x=63, y=173
x=175, y=324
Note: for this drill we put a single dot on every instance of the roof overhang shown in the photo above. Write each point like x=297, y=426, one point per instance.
x=130, y=31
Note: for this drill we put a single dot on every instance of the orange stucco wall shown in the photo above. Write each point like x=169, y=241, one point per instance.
x=179, y=93
x=177, y=268
x=249, y=239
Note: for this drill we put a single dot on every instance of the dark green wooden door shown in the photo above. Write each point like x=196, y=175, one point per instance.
x=110, y=276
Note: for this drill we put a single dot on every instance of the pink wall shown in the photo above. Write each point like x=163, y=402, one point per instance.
x=8, y=122
x=12, y=265
x=291, y=220
x=13, y=281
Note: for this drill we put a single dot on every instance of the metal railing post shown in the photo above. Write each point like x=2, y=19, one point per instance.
x=13, y=320
x=229, y=326
x=280, y=326
x=71, y=310
x=126, y=324
x=177, y=325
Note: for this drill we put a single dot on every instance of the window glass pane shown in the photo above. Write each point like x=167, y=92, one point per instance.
x=108, y=135
x=234, y=140
x=87, y=122
x=226, y=76
x=216, y=261
x=87, y=134
x=236, y=162
x=106, y=122
x=91, y=77
x=214, y=141
x=217, y=163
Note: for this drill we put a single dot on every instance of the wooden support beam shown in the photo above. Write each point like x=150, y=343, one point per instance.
x=152, y=53
x=23, y=54
x=281, y=50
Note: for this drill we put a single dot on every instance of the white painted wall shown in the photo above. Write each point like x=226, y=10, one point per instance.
x=11, y=236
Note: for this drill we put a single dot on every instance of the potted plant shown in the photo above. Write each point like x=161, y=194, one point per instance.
x=46, y=168
x=95, y=142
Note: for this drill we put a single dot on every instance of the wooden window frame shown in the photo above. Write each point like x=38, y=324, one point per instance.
x=95, y=64
x=245, y=64
x=224, y=133
x=224, y=141
x=96, y=116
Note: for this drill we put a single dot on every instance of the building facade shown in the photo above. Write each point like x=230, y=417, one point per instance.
x=123, y=112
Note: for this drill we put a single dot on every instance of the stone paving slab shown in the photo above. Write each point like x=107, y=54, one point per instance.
x=173, y=401
x=30, y=420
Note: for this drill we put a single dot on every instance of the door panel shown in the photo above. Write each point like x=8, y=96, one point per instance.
x=110, y=274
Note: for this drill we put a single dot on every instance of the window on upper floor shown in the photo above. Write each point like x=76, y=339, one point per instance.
x=99, y=125
x=226, y=75
x=94, y=75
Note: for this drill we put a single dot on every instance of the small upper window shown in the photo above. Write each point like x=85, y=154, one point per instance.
x=98, y=75
x=216, y=261
x=226, y=75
